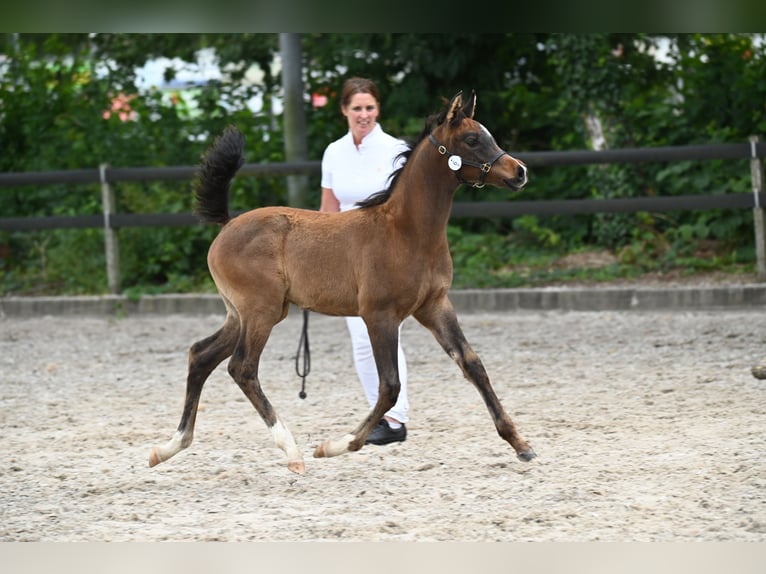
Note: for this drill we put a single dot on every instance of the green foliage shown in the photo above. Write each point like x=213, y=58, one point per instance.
x=62, y=96
x=54, y=262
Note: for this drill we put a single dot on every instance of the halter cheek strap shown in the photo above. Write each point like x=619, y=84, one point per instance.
x=455, y=163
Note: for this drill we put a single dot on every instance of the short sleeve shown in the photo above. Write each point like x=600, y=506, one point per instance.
x=327, y=167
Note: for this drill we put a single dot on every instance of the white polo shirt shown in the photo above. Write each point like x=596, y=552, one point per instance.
x=354, y=173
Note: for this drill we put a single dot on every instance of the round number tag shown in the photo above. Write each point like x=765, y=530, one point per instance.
x=454, y=162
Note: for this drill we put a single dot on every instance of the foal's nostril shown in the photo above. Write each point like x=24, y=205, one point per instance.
x=521, y=172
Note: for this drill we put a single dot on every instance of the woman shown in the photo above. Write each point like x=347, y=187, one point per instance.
x=353, y=168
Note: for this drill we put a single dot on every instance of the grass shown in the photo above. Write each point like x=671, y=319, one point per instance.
x=540, y=267
x=480, y=261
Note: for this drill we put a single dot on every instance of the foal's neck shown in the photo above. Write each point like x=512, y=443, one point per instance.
x=423, y=198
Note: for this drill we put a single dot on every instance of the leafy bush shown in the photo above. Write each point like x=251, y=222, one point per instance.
x=58, y=94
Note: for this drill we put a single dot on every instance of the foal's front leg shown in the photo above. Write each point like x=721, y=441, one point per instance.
x=441, y=320
x=384, y=337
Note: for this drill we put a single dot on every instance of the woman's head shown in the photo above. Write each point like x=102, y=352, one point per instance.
x=360, y=105
x=353, y=86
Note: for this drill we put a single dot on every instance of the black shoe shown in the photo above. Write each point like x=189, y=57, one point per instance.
x=384, y=434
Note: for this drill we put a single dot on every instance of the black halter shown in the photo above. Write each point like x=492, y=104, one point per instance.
x=484, y=167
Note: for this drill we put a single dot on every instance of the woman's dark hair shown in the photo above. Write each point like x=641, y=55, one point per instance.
x=356, y=85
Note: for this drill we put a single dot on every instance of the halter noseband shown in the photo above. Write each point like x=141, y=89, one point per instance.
x=455, y=162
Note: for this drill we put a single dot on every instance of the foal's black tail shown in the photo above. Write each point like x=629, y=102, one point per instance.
x=216, y=170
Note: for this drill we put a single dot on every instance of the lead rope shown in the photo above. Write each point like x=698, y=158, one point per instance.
x=303, y=345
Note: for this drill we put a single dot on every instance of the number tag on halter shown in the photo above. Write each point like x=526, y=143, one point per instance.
x=454, y=162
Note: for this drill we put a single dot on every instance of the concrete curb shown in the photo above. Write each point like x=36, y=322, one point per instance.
x=464, y=300
x=611, y=298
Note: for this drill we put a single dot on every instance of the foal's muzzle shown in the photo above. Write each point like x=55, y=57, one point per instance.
x=521, y=176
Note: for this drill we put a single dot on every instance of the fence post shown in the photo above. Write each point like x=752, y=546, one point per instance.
x=111, y=244
x=294, y=116
x=759, y=219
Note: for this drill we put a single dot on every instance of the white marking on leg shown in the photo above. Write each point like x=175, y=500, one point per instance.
x=173, y=446
x=283, y=438
x=334, y=447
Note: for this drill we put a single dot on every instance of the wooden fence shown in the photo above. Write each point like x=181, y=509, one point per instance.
x=110, y=220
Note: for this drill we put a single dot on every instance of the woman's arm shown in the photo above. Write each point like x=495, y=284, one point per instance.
x=329, y=202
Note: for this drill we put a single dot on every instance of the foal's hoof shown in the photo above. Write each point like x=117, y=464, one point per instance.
x=296, y=466
x=526, y=455
x=334, y=447
x=155, y=457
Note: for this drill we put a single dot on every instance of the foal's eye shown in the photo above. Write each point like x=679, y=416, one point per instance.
x=471, y=140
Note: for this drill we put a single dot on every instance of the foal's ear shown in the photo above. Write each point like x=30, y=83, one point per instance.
x=455, y=107
x=470, y=106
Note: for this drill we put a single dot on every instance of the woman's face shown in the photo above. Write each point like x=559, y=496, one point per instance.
x=361, y=113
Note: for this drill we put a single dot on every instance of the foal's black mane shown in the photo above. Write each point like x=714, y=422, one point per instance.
x=380, y=197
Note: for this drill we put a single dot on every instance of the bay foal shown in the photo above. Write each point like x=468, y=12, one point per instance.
x=384, y=262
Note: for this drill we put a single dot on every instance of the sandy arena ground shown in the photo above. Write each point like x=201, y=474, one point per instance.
x=648, y=426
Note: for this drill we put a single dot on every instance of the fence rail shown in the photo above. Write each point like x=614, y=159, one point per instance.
x=754, y=150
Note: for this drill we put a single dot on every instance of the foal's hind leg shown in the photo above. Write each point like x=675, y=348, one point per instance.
x=243, y=368
x=441, y=320
x=204, y=356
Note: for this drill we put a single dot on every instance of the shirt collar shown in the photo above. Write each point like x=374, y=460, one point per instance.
x=370, y=137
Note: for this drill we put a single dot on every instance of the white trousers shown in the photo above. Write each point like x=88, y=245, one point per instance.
x=364, y=361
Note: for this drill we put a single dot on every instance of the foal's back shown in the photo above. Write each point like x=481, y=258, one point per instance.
x=318, y=261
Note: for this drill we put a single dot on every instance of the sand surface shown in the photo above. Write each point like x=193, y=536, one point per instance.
x=648, y=426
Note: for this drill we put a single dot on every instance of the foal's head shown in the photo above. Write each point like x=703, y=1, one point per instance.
x=471, y=151
x=468, y=148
